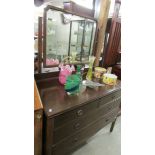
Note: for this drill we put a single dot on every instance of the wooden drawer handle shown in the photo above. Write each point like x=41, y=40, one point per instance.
x=107, y=120
x=113, y=97
x=80, y=112
x=77, y=126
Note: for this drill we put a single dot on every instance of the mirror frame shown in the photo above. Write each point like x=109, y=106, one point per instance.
x=49, y=7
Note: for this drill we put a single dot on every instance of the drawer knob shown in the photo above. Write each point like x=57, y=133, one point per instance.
x=38, y=116
x=77, y=126
x=113, y=97
x=80, y=112
x=107, y=120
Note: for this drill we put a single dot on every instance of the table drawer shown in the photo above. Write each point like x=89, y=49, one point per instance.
x=110, y=105
x=110, y=97
x=71, y=127
x=72, y=142
x=74, y=114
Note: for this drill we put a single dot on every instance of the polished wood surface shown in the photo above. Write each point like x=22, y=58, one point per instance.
x=69, y=144
x=56, y=101
x=40, y=43
x=38, y=122
x=48, y=136
x=79, y=123
x=38, y=125
x=70, y=120
x=76, y=114
x=37, y=101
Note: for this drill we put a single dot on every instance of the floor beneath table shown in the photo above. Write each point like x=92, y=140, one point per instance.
x=104, y=142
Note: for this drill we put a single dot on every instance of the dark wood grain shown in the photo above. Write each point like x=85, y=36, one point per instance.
x=116, y=69
x=110, y=98
x=44, y=38
x=71, y=127
x=70, y=120
x=69, y=144
x=75, y=114
x=113, y=47
x=56, y=99
x=48, y=136
x=40, y=43
x=38, y=122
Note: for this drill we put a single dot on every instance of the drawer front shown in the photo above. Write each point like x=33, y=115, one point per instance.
x=77, y=124
x=110, y=97
x=110, y=105
x=72, y=142
x=74, y=114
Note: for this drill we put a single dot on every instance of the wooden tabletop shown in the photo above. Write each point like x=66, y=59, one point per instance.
x=56, y=101
x=37, y=101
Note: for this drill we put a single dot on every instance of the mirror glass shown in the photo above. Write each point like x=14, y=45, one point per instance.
x=57, y=37
x=67, y=36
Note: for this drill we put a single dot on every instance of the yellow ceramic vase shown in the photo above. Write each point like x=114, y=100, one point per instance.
x=99, y=71
x=109, y=79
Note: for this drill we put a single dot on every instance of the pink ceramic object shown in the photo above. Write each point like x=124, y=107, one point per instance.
x=64, y=72
x=52, y=62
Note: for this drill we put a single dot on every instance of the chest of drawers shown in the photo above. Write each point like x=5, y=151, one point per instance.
x=70, y=120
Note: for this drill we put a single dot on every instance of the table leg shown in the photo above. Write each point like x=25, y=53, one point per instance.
x=113, y=124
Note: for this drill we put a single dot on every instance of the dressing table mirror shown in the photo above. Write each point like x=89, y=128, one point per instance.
x=68, y=37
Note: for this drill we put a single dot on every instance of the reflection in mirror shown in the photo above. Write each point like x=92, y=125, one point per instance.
x=68, y=35
x=82, y=35
x=57, y=38
x=76, y=39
